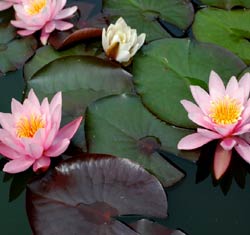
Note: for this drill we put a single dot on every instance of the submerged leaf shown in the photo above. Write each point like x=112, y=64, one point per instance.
x=121, y=126
x=83, y=195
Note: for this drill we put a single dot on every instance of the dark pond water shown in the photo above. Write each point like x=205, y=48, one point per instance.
x=198, y=209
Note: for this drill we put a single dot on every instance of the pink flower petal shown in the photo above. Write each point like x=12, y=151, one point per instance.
x=33, y=98
x=232, y=86
x=5, y=5
x=63, y=25
x=201, y=120
x=34, y=150
x=57, y=149
x=50, y=137
x=193, y=141
x=228, y=143
x=243, y=149
x=44, y=37
x=209, y=134
x=8, y=152
x=16, y=106
x=245, y=84
x=190, y=106
x=56, y=100
x=225, y=130
x=69, y=130
x=202, y=98
x=243, y=129
x=42, y=163
x=25, y=32
x=216, y=86
x=6, y=121
x=18, y=165
x=49, y=27
x=66, y=13
x=222, y=160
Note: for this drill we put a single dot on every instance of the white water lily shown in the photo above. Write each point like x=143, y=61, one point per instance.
x=120, y=42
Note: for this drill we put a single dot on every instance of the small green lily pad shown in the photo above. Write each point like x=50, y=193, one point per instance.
x=229, y=29
x=14, y=51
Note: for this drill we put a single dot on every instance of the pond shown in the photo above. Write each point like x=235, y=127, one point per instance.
x=195, y=208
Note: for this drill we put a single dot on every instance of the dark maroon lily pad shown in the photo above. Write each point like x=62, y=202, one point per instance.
x=84, y=194
x=61, y=40
x=146, y=227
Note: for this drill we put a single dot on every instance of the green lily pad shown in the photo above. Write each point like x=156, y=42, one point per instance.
x=47, y=54
x=13, y=51
x=227, y=4
x=229, y=29
x=121, y=126
x=82, y=79
x=146, y=15
x=165, y=69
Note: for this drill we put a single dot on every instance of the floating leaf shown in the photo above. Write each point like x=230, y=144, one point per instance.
x=165, y=69
x=227, y=4
x=13, y=51
x=146, y=227
x=60, y=40
x=83, y=195
x=82, y=79
x=121, y=126
x=47, y=54
x=229, y=29
x=146, y=15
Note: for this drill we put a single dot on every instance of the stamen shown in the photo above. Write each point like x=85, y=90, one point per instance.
x=27, y=127
x=225, y=110
x=35, y=6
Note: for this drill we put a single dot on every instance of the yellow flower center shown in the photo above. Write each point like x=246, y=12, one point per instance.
x=27, y=127
x=35, y=6
x=225, y=110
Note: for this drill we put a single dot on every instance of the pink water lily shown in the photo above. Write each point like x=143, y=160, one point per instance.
x=45, y=15
x=5, y=4
x=30, y=135
x=224, y=114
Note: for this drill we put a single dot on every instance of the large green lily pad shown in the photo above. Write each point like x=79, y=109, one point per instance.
x=82, y=79
x=145, y=15
x=227, y=4
x=46, y=54
x=121, y=126
x=165, y=69
x=229, y=29
x=13, y=51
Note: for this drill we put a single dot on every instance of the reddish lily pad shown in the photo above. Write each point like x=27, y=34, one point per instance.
x=14, y=51
x=61, y=40
x=83, y=195
x=122, y=126
x=147, y=227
